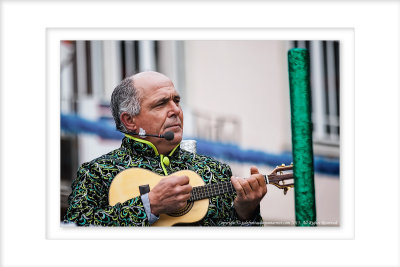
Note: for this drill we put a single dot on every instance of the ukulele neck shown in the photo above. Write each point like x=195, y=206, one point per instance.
x=212, y=190
x=278, y=177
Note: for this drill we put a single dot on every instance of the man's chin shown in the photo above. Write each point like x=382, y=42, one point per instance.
x=177, y=137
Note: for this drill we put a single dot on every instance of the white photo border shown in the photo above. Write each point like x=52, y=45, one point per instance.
x=27, y=239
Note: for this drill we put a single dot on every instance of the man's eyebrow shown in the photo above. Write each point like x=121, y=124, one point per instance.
x=165, y=99
x=161, y=101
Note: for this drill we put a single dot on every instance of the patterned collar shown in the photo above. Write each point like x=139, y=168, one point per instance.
x=137, y=146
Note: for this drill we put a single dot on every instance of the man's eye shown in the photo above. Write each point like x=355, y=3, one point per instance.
x=161, y=103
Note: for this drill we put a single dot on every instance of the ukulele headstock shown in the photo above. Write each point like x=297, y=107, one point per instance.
x=280, y=176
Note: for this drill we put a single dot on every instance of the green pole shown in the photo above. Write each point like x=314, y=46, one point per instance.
x=303, y=163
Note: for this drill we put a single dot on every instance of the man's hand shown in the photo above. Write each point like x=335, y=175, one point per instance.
x=249, y=193
x=170, y=194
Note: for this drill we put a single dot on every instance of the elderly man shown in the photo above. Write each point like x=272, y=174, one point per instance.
x=148, y=102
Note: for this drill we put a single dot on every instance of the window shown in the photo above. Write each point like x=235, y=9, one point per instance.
x=325, y=92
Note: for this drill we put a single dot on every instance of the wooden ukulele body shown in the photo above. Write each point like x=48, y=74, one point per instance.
x=126, y=186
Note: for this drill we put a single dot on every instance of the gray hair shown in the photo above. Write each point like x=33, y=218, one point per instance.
x=125, y=98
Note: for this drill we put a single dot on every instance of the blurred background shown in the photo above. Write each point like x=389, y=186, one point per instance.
x=235, y=99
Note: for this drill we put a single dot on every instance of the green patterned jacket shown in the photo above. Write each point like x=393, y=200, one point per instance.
x=88, y=202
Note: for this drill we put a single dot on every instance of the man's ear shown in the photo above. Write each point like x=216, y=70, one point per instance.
x=128, y=121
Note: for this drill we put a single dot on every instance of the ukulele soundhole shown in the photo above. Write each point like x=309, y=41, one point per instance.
x=182, y=211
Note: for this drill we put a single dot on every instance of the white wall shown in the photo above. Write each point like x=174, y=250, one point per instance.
x=247, y=79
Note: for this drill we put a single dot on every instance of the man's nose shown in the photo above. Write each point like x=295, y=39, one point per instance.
x=174, y=109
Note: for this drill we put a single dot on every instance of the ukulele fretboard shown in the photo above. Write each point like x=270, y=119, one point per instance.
x=212, y=190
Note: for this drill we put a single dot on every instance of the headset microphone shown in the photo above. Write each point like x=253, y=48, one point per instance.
x=167, y=136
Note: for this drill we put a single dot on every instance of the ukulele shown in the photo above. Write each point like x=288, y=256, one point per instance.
x=126, y=185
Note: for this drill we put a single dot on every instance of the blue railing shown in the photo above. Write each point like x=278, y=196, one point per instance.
x=229, y=152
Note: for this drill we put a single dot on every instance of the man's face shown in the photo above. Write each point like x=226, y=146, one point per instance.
x=160, y=109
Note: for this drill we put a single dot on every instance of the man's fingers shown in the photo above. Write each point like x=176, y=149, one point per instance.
x=254, y=184
x=176, y=180
x=245, y=185
x=260, y=180
x=181, y=189
x=184, y=197
x=238, y=187
x=253, y=170
x=186, y=189
x=182, y=180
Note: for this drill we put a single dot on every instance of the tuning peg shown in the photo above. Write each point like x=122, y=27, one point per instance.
x=283, y=165
x=285, y=190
